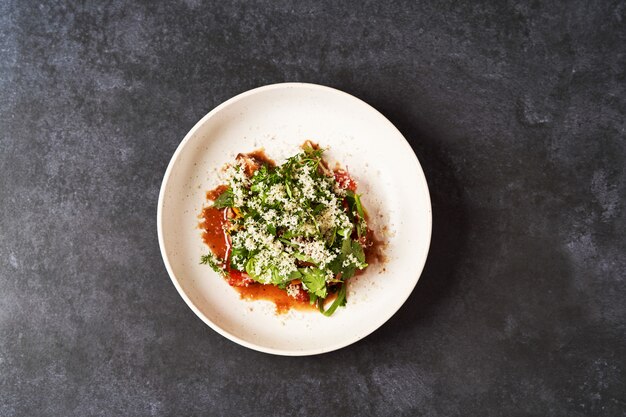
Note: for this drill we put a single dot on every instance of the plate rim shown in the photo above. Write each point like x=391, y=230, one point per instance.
x=285, y=352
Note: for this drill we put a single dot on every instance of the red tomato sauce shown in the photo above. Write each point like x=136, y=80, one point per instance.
x=283, y=302
x=344, y=180
x=213, y=233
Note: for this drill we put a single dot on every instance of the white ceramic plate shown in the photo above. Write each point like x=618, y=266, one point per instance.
x=279, y=118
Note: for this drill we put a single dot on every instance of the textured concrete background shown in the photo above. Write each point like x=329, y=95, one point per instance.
x=516, y=111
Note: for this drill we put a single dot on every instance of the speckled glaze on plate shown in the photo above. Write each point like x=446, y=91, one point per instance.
x=279, y=118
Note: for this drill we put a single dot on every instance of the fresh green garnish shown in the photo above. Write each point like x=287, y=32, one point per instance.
x=315, y=281
x=294, y=222
x=214, y=263
x=340, y=301
x=224, y=200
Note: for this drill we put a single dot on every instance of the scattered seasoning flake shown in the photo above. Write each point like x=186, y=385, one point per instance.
x=298, y=228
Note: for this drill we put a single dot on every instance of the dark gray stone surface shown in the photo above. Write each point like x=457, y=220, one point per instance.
x=516, y=111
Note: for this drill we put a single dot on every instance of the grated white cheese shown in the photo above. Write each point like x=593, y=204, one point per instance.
x=293, y=290
x=306, y=182
x=317, y=251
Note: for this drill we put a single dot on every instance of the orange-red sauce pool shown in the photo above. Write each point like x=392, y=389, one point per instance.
x=284, y=303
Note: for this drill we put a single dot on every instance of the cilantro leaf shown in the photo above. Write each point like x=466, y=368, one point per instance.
x=315, y=281
x=226, y=199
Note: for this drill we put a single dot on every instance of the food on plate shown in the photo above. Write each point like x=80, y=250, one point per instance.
x=293, y=233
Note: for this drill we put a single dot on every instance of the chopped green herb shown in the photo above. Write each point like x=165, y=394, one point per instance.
x=224, y=200
x=215, y=263
x=340, y=301
x=314, y=280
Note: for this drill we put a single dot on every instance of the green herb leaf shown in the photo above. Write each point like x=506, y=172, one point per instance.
x=340, y=301
x=250, y=268
x=226, y=199
x=361, y=226
x=357, y=251
x=214, y=262
x=277, y=279
x=303, y=257
x=238, y=256
x=345, y=232
x=318, y=209
x=288, y=189
x=315, y=281
x=356, y=212
x=359, y=206
x=295, y=275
